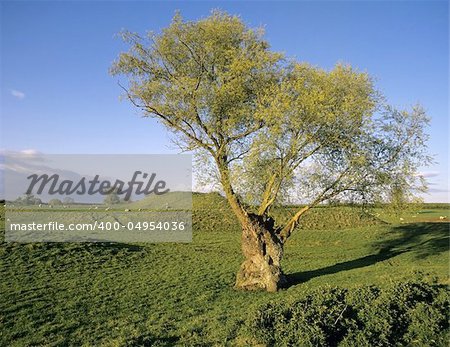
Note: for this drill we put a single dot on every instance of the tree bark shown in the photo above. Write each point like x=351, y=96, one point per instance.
x=263, y=250
x=261, y=244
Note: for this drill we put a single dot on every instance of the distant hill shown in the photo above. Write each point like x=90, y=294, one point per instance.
x=168, y=201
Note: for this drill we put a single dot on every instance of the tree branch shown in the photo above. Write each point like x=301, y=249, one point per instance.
x=246, y=133
x=231, y=196
x=286, y=231
x=167, y=119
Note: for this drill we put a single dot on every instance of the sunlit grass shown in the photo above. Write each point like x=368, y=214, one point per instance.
x=169, y=294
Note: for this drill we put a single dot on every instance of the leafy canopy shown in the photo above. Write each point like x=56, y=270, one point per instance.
x=272, y=127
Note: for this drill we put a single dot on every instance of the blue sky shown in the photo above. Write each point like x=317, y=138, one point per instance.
x=57, y=95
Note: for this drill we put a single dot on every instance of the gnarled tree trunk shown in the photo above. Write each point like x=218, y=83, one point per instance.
x=261, y=243
x=263, y=250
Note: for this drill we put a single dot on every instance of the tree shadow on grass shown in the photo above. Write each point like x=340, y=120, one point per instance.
x=53, y=249
x=424, y=239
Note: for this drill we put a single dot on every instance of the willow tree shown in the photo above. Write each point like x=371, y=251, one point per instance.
x=271, y=127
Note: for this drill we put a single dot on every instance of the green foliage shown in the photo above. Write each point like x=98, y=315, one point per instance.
x=411, y=313
x=68, y=200
x=112, y=198
x=210, y=74
x=55, y=202
x=28, y=200
x=270, y=127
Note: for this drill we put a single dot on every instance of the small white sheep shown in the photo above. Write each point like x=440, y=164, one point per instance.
x=442, y=217
x=127, y=210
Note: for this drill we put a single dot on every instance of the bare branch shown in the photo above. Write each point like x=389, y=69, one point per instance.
x=167, y=119
x=246, y=133
x=292, y=223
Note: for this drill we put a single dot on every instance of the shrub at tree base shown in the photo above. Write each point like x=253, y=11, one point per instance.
x=406, y=314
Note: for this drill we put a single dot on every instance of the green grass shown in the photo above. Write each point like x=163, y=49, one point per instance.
x=424, y=214
x=182, y=294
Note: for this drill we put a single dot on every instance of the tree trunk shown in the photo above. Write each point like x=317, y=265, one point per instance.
x=263, y=251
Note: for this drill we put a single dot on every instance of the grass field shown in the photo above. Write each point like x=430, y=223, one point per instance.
x=182, y=294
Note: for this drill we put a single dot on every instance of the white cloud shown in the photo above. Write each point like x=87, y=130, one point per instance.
x=30, y=152
x=27, y=152
x=18, y=94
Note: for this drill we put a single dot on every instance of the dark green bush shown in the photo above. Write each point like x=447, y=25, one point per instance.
x=405, y=314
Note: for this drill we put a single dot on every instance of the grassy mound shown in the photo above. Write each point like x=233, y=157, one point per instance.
x=211, y=212
x=322, y=217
